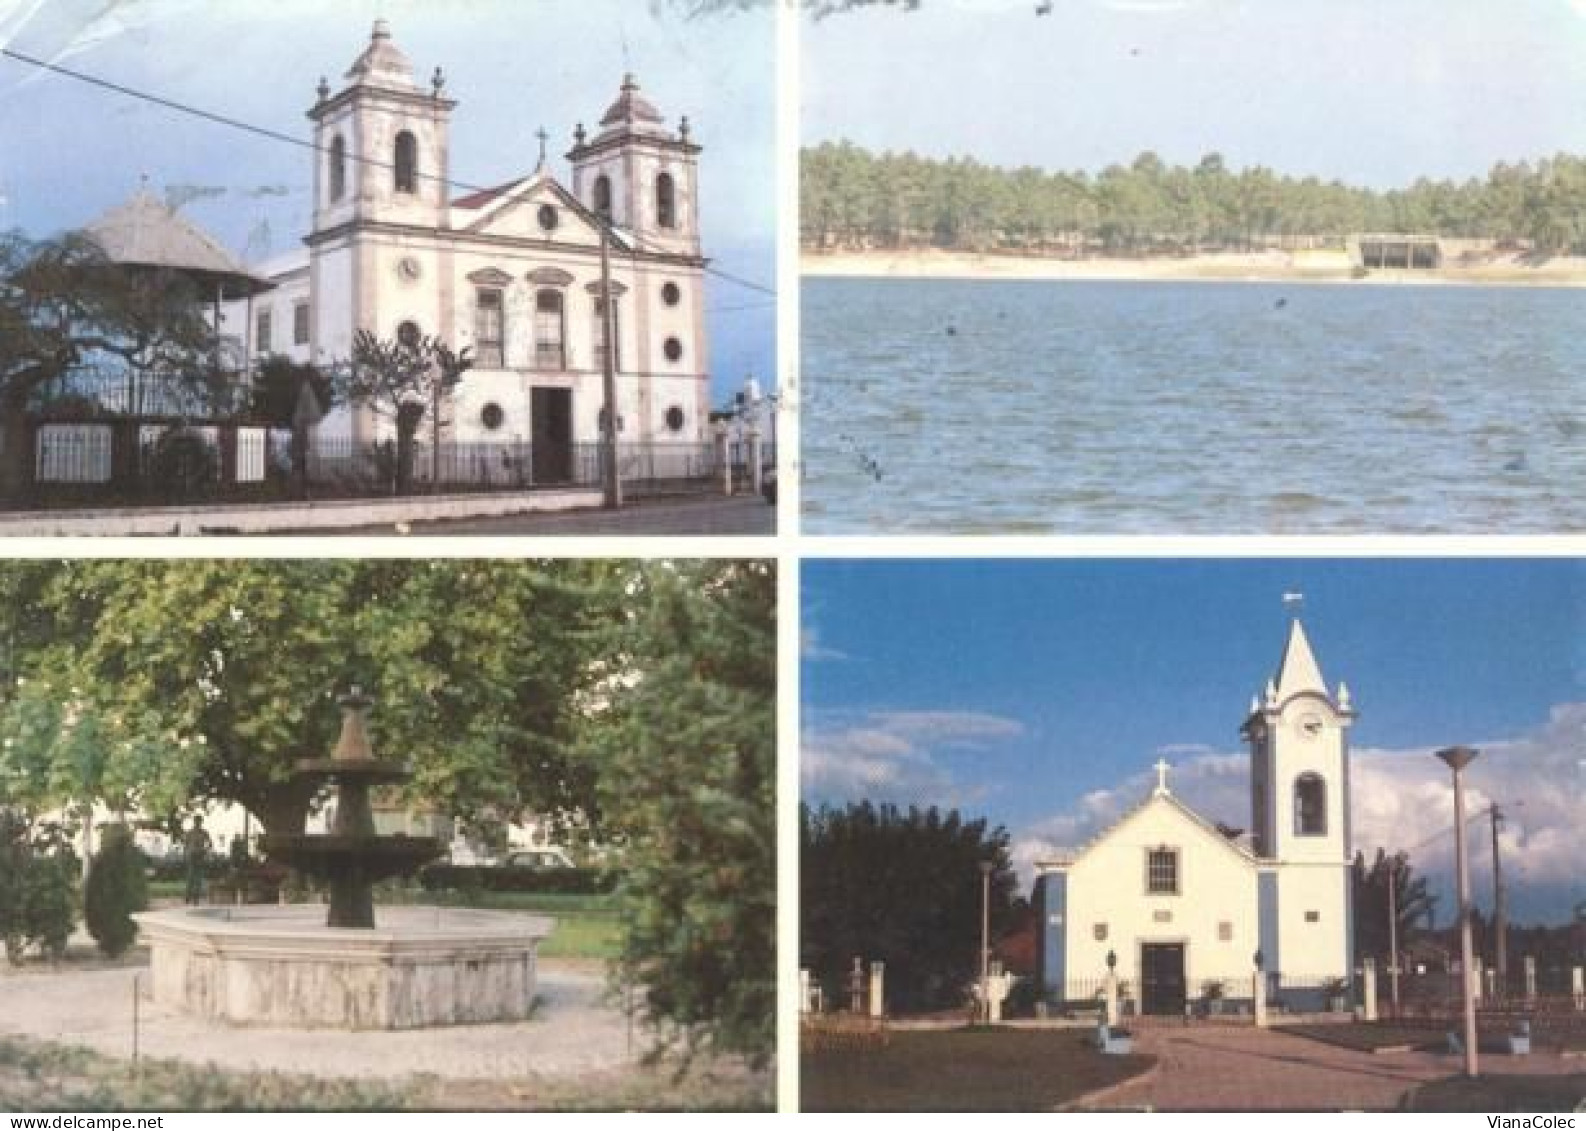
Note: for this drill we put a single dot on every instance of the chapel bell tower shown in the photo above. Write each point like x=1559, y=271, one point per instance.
x=638, y=174
x=1299, y=761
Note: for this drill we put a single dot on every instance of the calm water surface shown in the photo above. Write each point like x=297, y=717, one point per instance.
x=1191, y=408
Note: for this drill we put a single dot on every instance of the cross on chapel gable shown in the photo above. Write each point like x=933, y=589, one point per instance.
x=1161, y=777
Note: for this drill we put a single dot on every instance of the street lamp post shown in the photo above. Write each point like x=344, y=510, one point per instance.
x=1457, y=758
x=986, y=868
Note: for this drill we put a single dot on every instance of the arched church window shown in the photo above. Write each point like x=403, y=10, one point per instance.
x=406, y=163
x=665, y=201
x=1310, y=805
x=549, y=336
x=603, y=196
x=409, y=336
x=338, y=167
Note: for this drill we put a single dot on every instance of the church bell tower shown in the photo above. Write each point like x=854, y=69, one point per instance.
x=1298, y=734
x=641, y=176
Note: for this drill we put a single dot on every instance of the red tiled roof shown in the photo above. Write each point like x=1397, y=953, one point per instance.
x=485, y=196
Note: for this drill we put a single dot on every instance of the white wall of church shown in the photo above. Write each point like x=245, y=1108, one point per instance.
x=1217, y=889
x=1312, y=951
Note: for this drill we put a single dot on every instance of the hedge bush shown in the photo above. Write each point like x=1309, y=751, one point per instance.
x=37, y=873
x=115, y=889
x=565, y=881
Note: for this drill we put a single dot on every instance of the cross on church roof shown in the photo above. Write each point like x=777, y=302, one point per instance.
x=544, y=137
x=1161, y=776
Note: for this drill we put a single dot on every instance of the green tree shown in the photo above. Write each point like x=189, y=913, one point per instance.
x=64, y=304
x=686, y=747
x=1370, y=896
x=208, y=680
x=114, y=890
x=402, y=380
x=902, y=887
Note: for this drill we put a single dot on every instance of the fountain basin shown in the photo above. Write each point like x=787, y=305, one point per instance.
x=282, y=966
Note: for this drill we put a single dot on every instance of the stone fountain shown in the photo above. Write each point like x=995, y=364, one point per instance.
x=352, y=857
x=305, y=966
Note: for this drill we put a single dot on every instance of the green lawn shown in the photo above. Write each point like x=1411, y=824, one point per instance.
x=45, y=1077
x=970, y=1069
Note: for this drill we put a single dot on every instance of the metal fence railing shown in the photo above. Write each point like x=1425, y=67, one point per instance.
x=118, y=462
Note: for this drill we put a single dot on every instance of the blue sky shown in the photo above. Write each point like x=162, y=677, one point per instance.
x=69, y=152
x=1040, y=693
x=1375, y=92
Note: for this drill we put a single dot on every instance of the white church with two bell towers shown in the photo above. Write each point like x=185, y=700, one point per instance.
x=511, y=272
x=1178, y=903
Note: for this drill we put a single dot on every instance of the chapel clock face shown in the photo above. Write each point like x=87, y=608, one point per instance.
x=409, y=269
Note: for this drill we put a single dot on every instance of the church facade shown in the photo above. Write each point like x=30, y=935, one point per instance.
x=513, y=272
x=1178, y=904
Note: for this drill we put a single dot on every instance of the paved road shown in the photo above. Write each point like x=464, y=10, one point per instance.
x=1215, y=1068
x=704, y=515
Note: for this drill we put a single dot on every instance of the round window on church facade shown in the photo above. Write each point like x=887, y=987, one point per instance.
x=548, y=218
x=673, y=349
x=491, y=416
x=671, y=294
x=674, y=418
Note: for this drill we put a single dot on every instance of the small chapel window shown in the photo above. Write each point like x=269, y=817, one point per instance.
x=665, y=201
x=300, y=324
x=1310, y=805
x=409, y=336
x=603, y=196
x=488, y=333
x=406, y=165
x=261, y=334
x=671, y=294
x=338, y=167
x=548, y=331
x=1161, y=871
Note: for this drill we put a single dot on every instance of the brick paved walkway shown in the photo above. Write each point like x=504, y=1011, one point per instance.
x=1214, y=1068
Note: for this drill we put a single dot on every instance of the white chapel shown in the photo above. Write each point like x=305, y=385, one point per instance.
x=512, y=272
x=1178, y=904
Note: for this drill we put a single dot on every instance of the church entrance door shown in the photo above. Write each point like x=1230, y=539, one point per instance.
x=1162, y=979
x=551, y=435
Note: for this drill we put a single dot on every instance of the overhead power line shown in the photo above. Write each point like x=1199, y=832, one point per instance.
x=301, y=143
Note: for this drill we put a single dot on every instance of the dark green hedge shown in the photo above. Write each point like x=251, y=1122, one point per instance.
x=569, y=881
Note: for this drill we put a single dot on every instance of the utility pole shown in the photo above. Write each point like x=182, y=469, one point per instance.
x=1457, y=758
x=1500, y=918
x=1393, y=932
x=610, y=481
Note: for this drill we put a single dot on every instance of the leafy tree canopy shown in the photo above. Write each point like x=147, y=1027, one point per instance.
x=154, y=682
x=687, y=770
x=904, y=887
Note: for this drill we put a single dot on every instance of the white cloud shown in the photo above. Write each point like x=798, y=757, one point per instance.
x=811, y=648
x=893, y=755
x=1401, y=799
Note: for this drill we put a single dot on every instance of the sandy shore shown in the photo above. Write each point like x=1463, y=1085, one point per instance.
x=1276, y=267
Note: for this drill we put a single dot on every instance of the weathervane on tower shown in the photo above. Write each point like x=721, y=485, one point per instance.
x=1294, y=602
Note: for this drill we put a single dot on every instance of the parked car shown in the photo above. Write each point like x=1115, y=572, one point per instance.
x=537, y=858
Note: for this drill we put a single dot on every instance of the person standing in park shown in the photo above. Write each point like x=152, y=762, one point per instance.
x=195, y=849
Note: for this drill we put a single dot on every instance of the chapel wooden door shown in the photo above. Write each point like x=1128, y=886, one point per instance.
x=1162, y=979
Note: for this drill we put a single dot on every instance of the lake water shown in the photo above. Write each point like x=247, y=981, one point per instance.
x=1191, y=408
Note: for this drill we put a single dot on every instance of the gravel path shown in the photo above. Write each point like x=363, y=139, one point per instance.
x=574, y=1031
